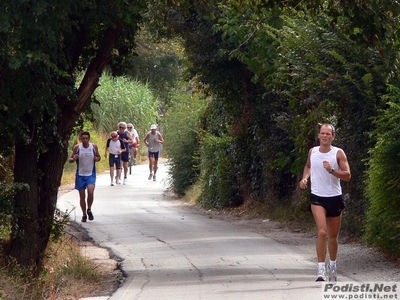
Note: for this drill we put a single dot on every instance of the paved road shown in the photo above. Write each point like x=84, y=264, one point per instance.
x=169, y=252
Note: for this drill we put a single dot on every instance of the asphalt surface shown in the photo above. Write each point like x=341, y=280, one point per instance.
x=170, y=252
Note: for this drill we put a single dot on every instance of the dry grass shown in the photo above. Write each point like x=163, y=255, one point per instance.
x=67, y=274
x=192, y=194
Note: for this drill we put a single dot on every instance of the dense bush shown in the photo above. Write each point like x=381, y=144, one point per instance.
x=220, y=187
x=182, y=140
x=383, y=183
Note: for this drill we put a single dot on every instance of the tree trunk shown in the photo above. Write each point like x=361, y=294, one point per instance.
x=25, y=208
x=34, y=209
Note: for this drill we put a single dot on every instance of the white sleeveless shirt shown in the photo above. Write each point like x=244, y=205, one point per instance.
x=153, y=145
x=86, y=166
x=324, y=184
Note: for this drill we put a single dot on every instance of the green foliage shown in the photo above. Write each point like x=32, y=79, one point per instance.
x=219, y=184
x=383, y=182
x=6, y=168
x=159, y=63
x=330, y=67
x=182, y=135
x=243, y=25
x=123, y=99
x=7, y=193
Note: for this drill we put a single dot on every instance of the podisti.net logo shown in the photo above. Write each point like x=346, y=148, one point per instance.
x=360, y=290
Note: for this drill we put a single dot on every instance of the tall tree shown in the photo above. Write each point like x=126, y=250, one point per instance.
x=43, y=45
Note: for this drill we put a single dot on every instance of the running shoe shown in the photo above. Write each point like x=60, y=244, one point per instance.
x=112, y=183
x=125, y=181
x=84, y=218
x=332, y=273
x=150, y=176
x=134, y=161
x=90, y=214
x=154, y=177
x=321, y=275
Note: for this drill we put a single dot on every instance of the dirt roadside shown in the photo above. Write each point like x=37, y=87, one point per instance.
x=355, y=261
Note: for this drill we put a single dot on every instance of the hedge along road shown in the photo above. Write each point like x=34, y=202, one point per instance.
x=171, y=252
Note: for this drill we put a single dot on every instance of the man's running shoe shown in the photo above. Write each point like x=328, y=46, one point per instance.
x=332, y=273
x=321, y=275
x=125, y=181
x=134, y=161
x=154, y=177
x=84, y=218
x=90, y=214
x=112, y=183
x=150, y=176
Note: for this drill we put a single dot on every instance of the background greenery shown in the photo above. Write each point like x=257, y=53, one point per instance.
x=123, y=99
x=383, y=215
x=181, y=125
x=239, y=89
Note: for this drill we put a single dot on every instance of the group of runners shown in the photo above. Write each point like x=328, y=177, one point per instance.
x=123, y=143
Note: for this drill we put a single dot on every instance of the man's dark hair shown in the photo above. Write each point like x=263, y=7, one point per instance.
x=85, y=133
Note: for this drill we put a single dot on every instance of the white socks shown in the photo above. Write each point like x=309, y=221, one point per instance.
x=321, y=265
x=332, y=263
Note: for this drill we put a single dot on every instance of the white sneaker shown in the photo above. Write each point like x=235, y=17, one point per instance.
x=321, y=276
x=125, y=181
x=154, y=177
x=117, y=180
x=332, y=273
x=150, y=176
x=112, y=183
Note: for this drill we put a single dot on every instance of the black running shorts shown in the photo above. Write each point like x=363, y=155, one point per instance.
x=125, y=156
x=333, y=205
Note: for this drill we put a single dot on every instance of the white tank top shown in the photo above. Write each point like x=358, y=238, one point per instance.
x=324, y=184
x=153, y=145
x=86, y=160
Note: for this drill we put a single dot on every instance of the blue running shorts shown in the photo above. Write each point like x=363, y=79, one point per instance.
x=81, y=182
